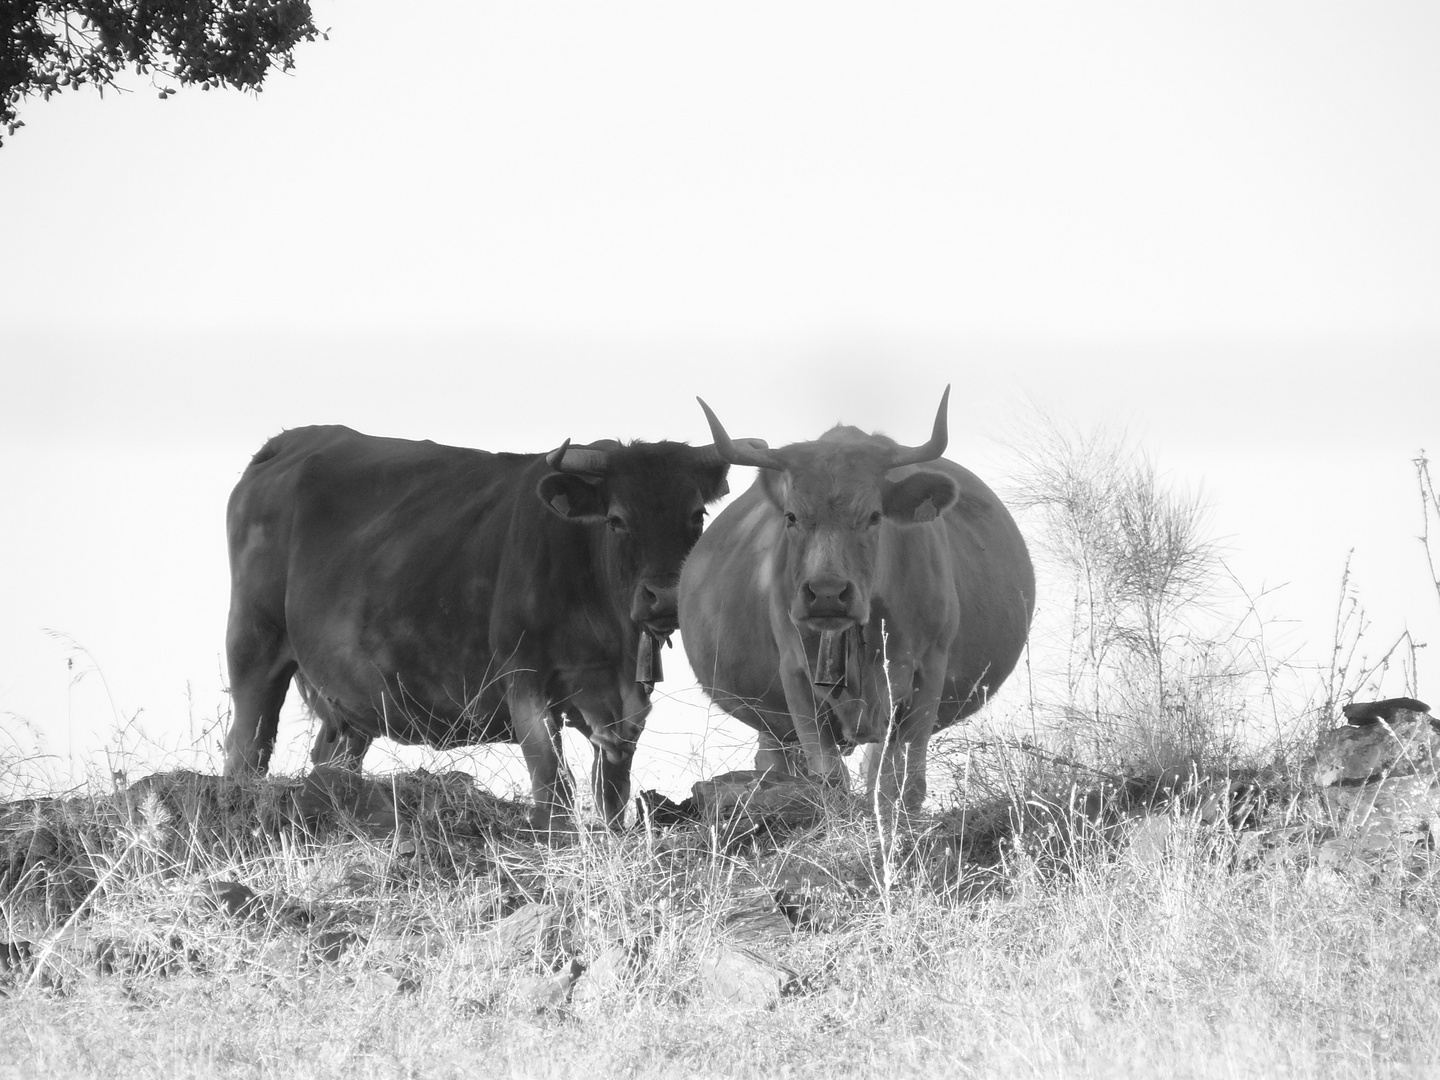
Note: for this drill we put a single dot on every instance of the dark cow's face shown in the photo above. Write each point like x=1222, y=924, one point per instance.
x=651, y=501
x=836, y=497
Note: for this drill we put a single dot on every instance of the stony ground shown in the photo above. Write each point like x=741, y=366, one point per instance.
x=413, y=926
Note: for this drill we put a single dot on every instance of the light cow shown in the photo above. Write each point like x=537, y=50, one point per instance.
x=859, y=592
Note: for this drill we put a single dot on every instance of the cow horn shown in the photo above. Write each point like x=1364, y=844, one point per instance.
x=578, y=459
x=914, y=455
x=753, y=452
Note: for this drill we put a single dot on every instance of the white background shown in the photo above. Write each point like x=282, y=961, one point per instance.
x=502, y=225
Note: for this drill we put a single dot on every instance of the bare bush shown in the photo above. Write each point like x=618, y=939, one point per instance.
x=1140, y=684
x=1429, y=512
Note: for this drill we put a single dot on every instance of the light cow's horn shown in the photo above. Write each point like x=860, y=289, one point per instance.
x=753, y=452
x=939, y=437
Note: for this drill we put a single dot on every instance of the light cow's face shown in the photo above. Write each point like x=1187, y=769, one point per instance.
x=836, y=498
x=836, y=494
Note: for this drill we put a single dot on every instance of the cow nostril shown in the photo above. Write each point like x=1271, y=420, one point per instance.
x=654, y=601
x=827, y=590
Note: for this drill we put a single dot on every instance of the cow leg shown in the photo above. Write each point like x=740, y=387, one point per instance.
x=261, y=665
x=900, y=766
x=339, y=745
x=771, y=755
x=614, y=717
x=610, y=781
x=823, y=759
x=551, y=785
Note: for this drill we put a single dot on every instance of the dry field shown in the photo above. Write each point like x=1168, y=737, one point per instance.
x=426, y=934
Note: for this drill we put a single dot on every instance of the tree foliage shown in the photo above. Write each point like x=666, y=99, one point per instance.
x=49, y=47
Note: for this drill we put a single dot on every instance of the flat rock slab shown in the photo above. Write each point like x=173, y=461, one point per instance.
x=740, y=976
x=536, y=932
x=760, y=797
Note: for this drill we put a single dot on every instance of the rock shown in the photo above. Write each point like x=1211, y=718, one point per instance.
x=1150, y=837
x=1370, y=712
x=768, y=798
x=1358, y=854
x=536, y=932
x=381, y=983
x=331, y=790
x=756, y=920
x=235, y=899
x=15, y=956
x=542, y=992
x=1379, y=776
x=329, y=945
x=839, y=1000
x=1382, y=768
x=745, y=977
x=662, y=810
x=607, y=975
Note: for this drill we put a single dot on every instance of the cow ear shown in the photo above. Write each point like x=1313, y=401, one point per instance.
x=919, y=498
x=572, y=497
x=712, y=482
x=776, y=483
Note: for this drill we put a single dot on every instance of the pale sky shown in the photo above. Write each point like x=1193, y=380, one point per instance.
x=502, y=225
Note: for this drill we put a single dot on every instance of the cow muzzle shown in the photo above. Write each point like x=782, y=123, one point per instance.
x=617, y=741
x=654, y=607
x=827, y=602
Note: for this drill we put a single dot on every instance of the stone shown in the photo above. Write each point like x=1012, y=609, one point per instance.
x=1406, y=745
x=542, y=992
x=740, y=976
x=1381, y=769
x=769, y=797
x=606, y=975
x=1150, y=838
x=232, y=897
x=756, y=920
x=1369, y=712
x=330, y=790
x=536, y=932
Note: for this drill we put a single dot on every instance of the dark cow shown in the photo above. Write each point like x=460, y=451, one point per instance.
x=846, y=560
x=448, y=596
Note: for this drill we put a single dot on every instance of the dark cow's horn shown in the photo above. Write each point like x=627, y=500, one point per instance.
x=752, y=452
x=578, y=459
x=914, y=455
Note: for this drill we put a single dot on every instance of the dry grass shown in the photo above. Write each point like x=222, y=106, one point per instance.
x=1191, y=951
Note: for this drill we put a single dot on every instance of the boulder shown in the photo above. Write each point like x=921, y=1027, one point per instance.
x=769, y=798
x=534, y=932
x=740, y=976
x=1382, y=766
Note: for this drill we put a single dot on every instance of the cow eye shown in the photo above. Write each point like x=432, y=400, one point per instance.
x=875, y=518
x=616, y=523
x=789, y=520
